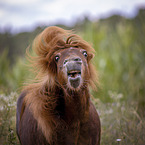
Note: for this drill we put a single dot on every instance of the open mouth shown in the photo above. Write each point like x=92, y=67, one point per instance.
x=74, y=78
x=74, y=73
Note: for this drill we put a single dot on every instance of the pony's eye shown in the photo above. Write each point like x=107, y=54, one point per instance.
x=85, y=53
x=57, y=58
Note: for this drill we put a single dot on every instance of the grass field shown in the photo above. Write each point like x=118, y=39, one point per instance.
x=120, y=62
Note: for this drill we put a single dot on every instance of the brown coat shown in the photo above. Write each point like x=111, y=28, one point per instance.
x=56, y=109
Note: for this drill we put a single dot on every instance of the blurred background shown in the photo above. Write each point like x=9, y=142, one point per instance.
x=116, y=30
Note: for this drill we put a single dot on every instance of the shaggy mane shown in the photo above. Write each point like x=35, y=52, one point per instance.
x=45, y=45
x=38, y=94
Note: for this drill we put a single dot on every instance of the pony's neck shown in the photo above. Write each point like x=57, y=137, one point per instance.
x=72, y=105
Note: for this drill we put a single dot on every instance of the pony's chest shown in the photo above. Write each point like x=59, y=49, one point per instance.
x=73, y=135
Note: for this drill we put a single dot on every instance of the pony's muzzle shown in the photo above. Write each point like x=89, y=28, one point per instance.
x=74, y=70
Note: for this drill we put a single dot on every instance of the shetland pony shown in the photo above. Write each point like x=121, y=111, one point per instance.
x=56, y=109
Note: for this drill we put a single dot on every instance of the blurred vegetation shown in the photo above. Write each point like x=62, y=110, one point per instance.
x=120, y=61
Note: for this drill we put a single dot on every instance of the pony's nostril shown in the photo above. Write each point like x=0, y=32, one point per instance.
x=77, y=59
x=65, y=61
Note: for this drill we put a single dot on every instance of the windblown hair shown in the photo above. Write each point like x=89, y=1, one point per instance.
x=45, y=45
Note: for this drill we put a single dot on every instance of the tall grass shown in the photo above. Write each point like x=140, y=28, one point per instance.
x=8, y=119
x=120, y=61
x=120, y=121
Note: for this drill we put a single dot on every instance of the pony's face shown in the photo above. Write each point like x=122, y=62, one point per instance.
x=72, y=67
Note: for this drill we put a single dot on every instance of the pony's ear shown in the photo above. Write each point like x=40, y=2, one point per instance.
x=90, y=56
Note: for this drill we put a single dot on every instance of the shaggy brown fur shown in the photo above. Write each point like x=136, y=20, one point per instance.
x=56, y=109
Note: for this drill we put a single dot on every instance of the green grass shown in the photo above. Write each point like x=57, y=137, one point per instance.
x=8, y=119
x=120, y=100
x=120, y=122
